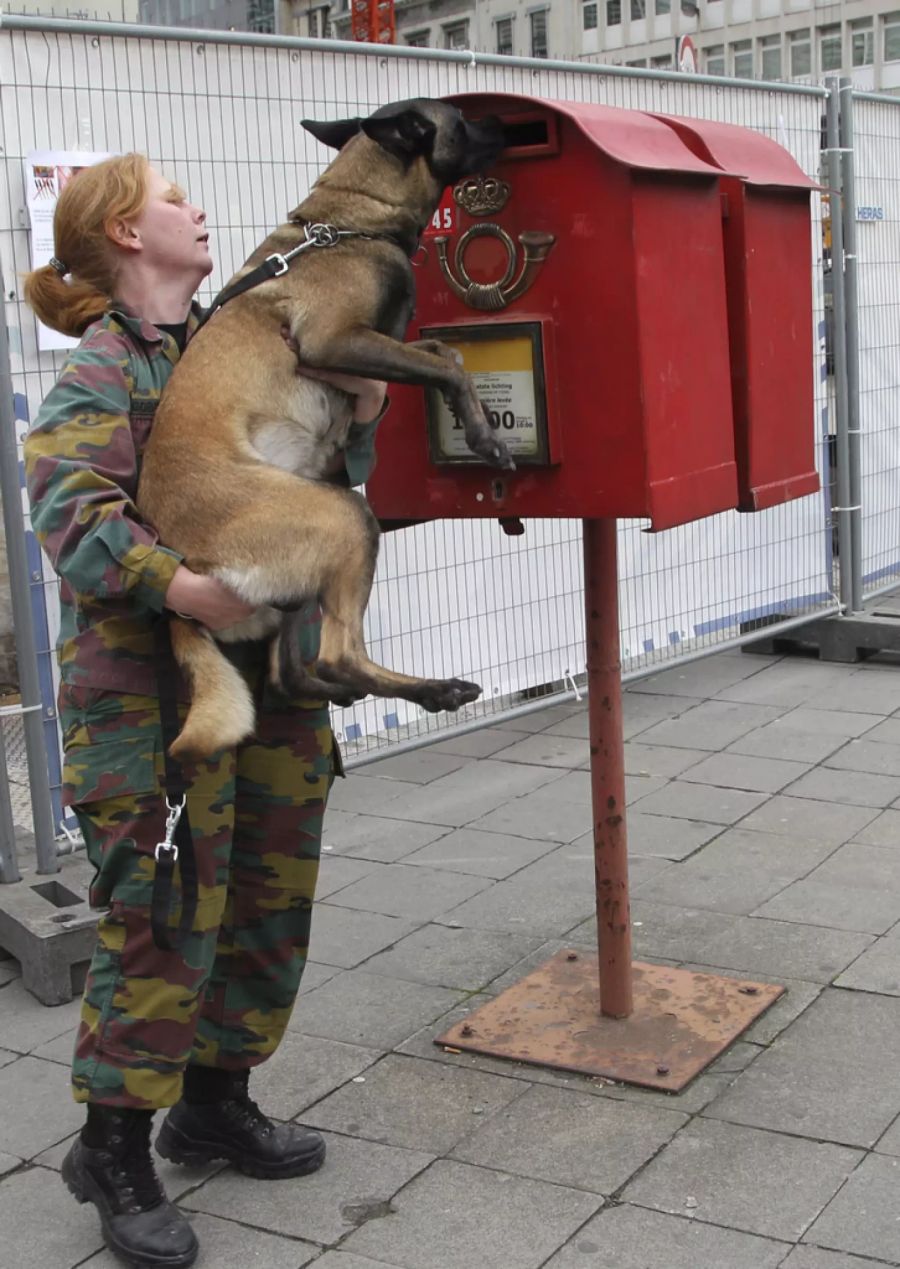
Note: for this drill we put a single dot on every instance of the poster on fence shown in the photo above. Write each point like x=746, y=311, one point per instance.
x=46, y=174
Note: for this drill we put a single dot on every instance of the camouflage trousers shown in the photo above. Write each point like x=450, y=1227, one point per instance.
x=225, y=997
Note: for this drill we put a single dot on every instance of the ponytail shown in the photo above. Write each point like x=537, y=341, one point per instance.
x=68, y=307
x=92, y=200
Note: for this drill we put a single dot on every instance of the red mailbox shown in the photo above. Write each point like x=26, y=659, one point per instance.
x=769, y=282
x=583, y=280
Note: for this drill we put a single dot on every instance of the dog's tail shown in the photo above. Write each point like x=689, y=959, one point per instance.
x=222, y=713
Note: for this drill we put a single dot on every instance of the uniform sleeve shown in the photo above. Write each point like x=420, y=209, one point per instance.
x=81, y=470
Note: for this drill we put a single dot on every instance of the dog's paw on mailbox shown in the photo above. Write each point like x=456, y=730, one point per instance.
x=449, y=694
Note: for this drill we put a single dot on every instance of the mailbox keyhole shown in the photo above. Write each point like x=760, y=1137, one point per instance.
x=498, y=491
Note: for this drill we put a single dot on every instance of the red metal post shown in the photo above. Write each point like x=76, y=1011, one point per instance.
x=604, y=671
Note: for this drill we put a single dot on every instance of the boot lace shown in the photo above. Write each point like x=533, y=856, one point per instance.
x=134, y=1178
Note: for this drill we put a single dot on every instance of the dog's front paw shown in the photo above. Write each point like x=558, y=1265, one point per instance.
x=449, y=694
x=486, y=444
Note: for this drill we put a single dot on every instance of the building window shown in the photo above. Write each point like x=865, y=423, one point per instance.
x=714, y=58
x=862, y=39
x=830, y=48
x=456, y=35
x=801, y=53
x=638, y=61
x=589, y=17
x=417, y=39
x=663, y=6
x=613, y=12
x=638, y=10
x=770, y=49
x=742, y=54
x=892, y=37
x=504, y=36
x=661, y=63
x=539, y=33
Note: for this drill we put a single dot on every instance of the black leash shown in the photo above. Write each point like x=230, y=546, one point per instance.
x=178, y=845
x=274, y=266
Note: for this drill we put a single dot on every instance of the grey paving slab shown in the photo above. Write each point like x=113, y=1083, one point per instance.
x=884, y=830
x=788, y=683
x=816, y=1258
x=563, y=1149
x=375, y=837
x=660, y=760
x=406, y=1101
x=224, y=1244
x=417, y=894
x=886, y=731
x=711, y=725
x=360, y=792
x=546, y=750
x=358, y=1178
x=6, y=1057
x=465, y=796
x=865, y=1217
x=889, y=1143
x=36, y=1107
x=25, y=1022
x=867, y=755
x=419, y=766
x=865, y=692
x=447, y=956
x=853, y=788
x=336, y=872
x=829, y=1076
x=778, y=740
x=857, y=888
x=546, y=716
x=737, y=872
x=510, y=1222
x=543, y=900
x=576, y=786
x=544, y=816
x=344, y=1260
x=305, y=1068
x=346, y=938
x=628, y=1237
x=826, y=822
x=43, y=1225
x=877, y=969
x=371, y=1010
x=747, y=944
x=315, y=975
x=481, y=854
x=830, y=722
x=663, y=836
x=761, y=1182
x=704, y=678
x=640, y=710
x=477, y=744
x=708, y=803
x=8, y=1163
x=59, y=1050
x=739, y=771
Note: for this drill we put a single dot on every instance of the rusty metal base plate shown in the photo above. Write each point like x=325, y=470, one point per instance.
x=681, y=1021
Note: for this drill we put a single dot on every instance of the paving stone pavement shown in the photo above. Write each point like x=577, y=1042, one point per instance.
x=764, y=805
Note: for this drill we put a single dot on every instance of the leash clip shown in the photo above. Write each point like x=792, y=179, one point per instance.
x=281, y=265
x=175, y=810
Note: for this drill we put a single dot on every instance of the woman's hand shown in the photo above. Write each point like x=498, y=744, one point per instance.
x=205, y=599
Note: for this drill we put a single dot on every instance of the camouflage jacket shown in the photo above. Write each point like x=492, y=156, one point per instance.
x=82, y=461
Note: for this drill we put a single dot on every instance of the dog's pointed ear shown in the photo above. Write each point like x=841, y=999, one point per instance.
x=406, y=134
x=333, y=132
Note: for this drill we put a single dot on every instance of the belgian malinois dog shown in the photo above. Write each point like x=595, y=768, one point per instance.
x=232, y=474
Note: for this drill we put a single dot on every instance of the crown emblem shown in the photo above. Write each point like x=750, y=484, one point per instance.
x=481, y=195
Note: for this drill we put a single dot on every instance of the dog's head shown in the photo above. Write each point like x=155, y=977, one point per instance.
x=422, y=131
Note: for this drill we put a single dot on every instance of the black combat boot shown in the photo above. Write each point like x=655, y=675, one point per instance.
x=110, y=1165
x=217, y=1119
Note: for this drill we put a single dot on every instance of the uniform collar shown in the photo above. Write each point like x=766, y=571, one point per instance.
x=146, y=331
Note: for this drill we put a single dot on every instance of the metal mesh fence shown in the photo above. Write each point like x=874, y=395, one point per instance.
x=222, y=119
x=877, y=168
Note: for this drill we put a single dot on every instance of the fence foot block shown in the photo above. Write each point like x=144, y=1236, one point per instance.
x=47, y=925
x=681, y=1022
x=845, y=639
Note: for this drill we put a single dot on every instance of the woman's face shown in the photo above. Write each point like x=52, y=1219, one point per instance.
x=172, y=231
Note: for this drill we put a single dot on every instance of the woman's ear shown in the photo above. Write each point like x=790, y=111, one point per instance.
x=123, y=234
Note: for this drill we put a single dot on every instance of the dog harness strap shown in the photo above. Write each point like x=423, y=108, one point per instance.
x=275, y=265
x=179, y=841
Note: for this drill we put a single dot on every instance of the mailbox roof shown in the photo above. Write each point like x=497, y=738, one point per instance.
x=631, y=137
x=756, y=158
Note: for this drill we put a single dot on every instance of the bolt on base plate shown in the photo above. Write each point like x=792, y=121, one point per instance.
x=681, y=1022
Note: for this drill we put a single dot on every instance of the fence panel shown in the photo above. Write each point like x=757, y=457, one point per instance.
x=222, y=119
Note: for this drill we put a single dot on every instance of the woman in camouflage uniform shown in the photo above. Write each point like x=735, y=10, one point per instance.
x=161, y=1028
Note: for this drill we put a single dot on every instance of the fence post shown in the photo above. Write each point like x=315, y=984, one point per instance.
x=851, y=327
x=29, y=685
x=841, y=394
